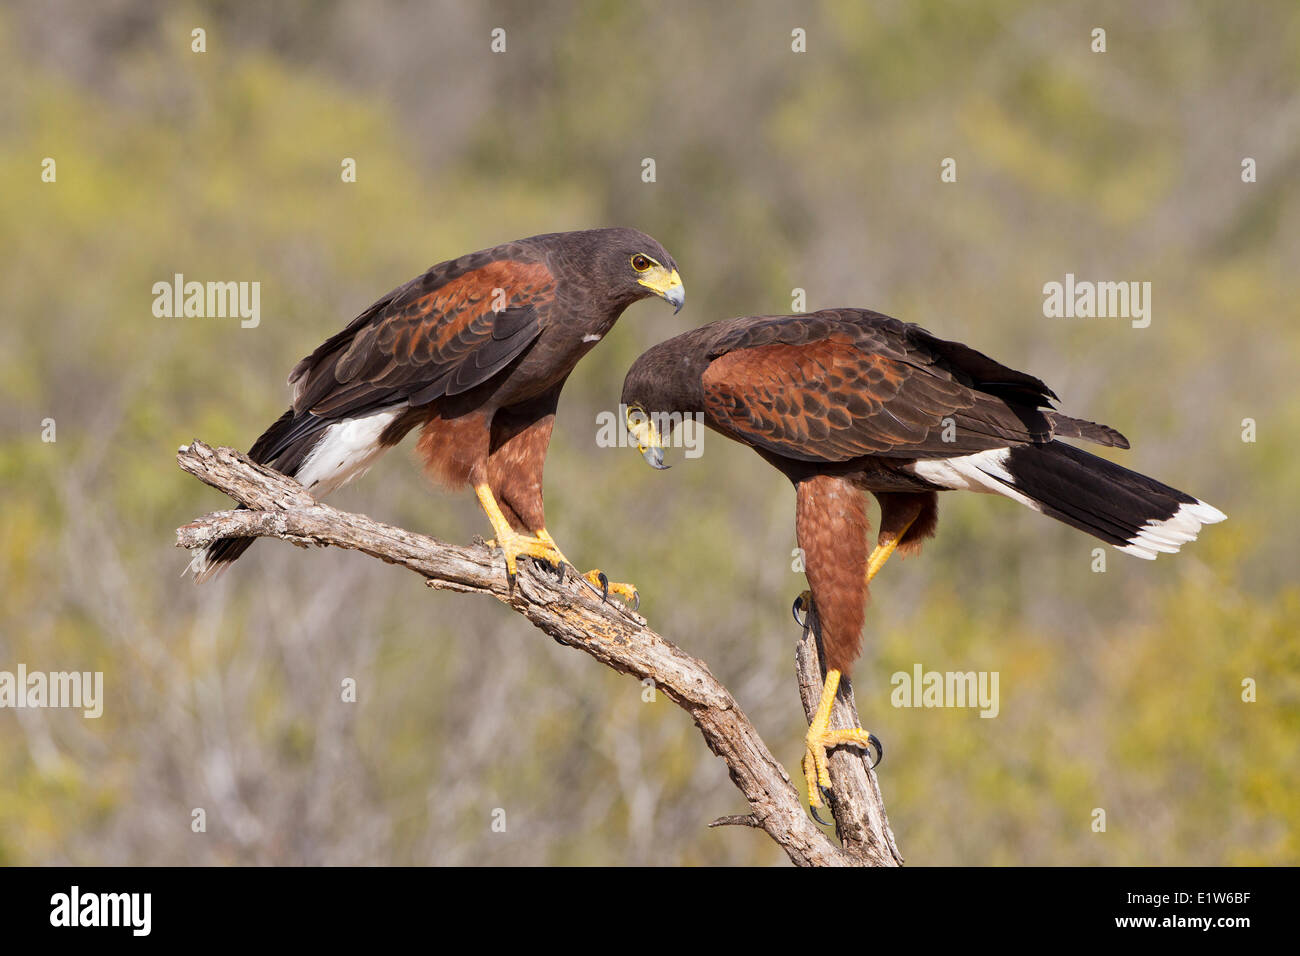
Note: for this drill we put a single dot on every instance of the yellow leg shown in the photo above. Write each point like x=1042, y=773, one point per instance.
x=597, y=578
x=511, y=542
x=880, y=554
x=816, y=768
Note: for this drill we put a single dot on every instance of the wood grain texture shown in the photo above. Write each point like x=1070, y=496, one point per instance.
x=572, y=613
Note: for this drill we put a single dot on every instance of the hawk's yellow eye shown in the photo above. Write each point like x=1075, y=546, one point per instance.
x=641, y=263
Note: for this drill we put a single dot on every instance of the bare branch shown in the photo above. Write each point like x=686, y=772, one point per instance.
x=571, y=612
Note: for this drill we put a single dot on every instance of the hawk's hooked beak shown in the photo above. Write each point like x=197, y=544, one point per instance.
x=648, y=441
x=667, y=285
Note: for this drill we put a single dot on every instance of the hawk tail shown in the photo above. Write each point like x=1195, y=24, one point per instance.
x=211, y=561
x=323, y=454
x=216, y=557
x=1066, y=427
x=1128, y=510
x=1134, y=513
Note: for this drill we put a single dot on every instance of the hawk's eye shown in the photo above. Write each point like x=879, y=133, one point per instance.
x=641, y=263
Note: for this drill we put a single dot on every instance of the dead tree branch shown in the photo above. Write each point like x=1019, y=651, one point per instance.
x=572, y=613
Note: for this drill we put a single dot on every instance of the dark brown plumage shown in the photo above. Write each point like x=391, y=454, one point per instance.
x=475, y=350
x=849, y=401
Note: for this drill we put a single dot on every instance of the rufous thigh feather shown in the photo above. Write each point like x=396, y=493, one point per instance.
x=914, y=515
x=514, y=471
x=455, y=450
x=831, y=526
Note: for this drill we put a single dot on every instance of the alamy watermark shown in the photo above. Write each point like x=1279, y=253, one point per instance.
x=131, y=911
x=76, y=689
x=1084, y=299
x=671, y=430
x=211, y=300
x=922, y=688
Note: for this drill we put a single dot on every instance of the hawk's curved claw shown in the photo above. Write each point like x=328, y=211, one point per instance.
x=874, y=741
x=813, y=812
x=801, y=603
x=601, y=583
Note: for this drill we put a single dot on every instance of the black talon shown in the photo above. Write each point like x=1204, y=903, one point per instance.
x=796, y=608
x=880, y=750
x=603, y=578
x=813, y=810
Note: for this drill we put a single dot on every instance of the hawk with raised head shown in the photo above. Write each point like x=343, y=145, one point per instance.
x=474, y=352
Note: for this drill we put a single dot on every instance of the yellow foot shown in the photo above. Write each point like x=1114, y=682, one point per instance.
x=816, y=768
x=513, y=545
x=598, y=580
x=606, y=587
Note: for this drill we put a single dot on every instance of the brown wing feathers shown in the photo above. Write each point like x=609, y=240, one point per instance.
x=833, y=386
x=424, y=343
x=440, y=334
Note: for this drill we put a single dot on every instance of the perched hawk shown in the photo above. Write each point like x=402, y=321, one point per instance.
x=847, y=401
x=475, y=351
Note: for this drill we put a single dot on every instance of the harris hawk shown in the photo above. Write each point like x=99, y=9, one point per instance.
x=847, y=401
x=475, y=352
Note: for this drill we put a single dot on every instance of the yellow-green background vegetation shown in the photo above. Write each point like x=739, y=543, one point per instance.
x=775, y=170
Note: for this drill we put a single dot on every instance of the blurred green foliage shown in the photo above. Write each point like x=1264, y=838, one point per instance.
x=775, y=170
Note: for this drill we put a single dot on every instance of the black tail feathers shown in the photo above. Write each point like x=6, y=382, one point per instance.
x=284, y=446
x=1134, y=513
